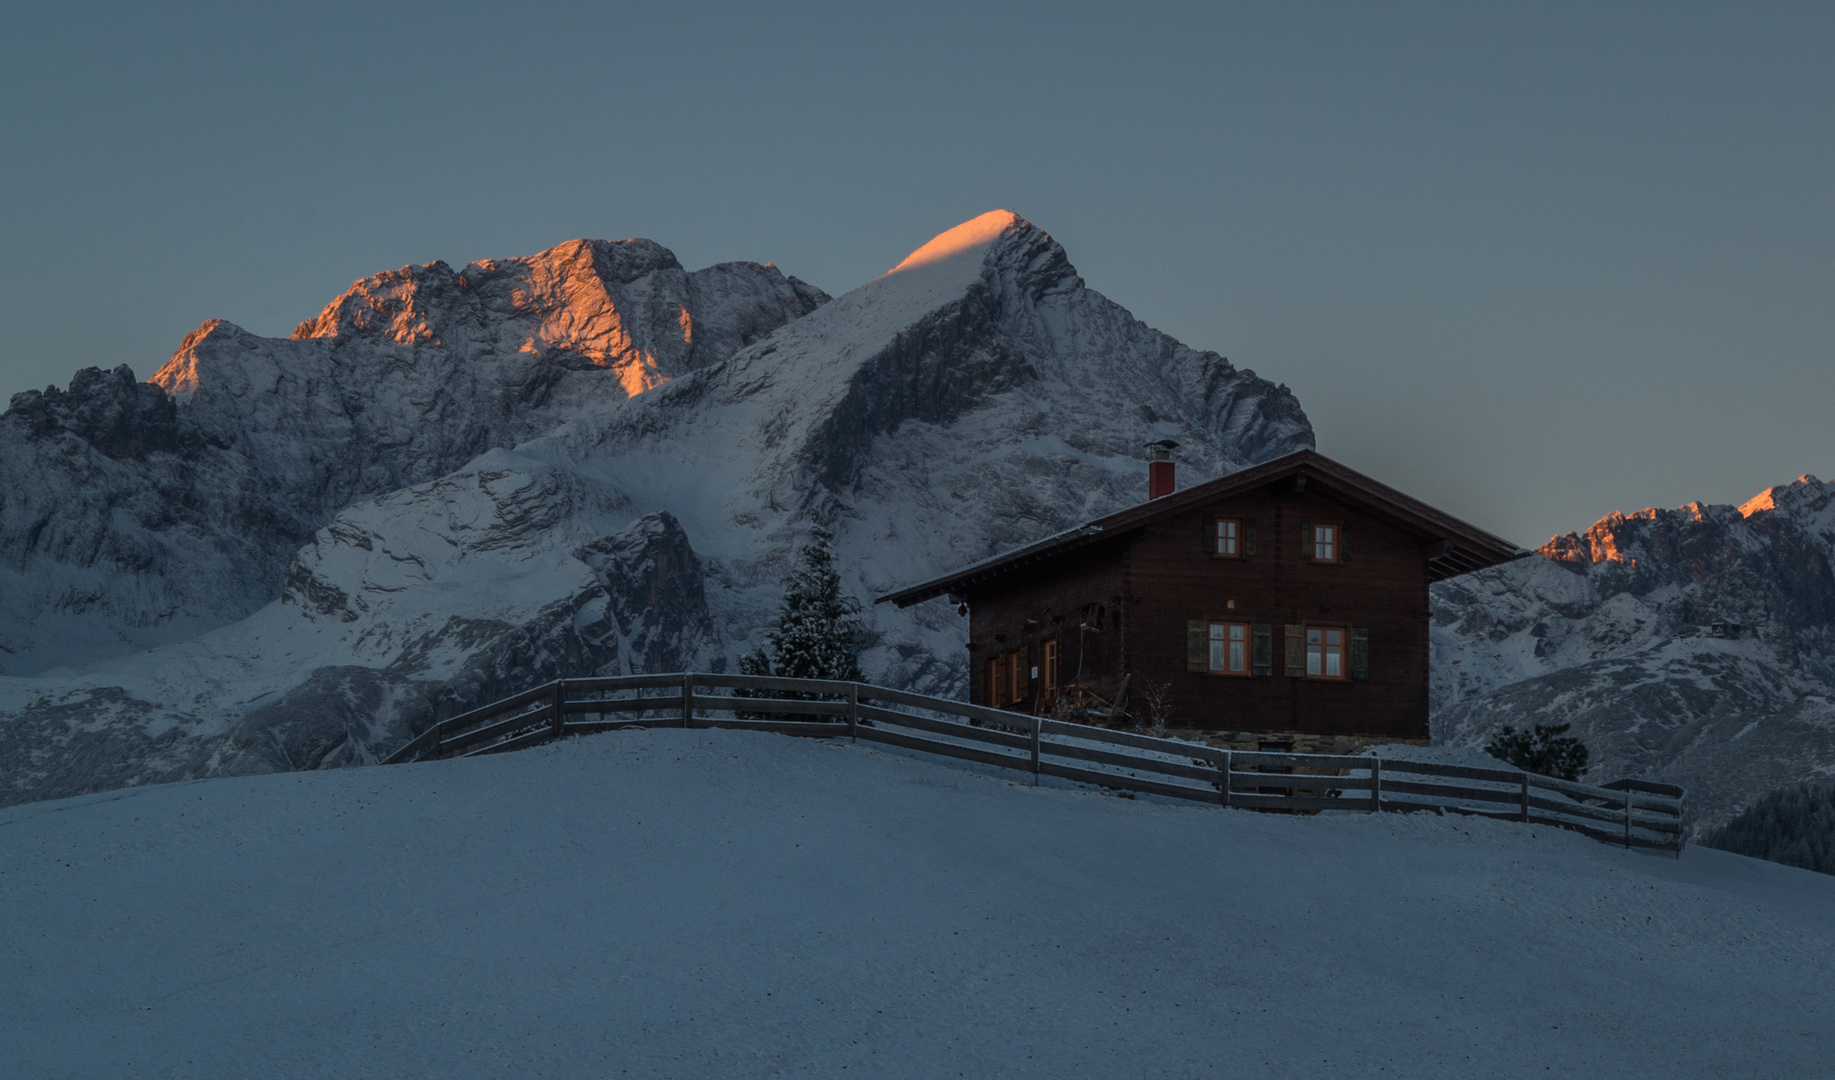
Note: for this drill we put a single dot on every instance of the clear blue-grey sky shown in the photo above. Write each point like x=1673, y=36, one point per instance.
x=1530, y=262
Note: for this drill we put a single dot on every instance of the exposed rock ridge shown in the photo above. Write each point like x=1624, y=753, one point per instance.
x=135, y=514
x=940, y=413
x=1613, y=630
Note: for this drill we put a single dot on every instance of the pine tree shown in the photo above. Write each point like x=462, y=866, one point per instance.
x=819, y=632
x=1546, y=751
x=1794, y=825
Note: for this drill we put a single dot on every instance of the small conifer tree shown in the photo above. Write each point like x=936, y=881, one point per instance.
x=819, y=632
x=1546, y=750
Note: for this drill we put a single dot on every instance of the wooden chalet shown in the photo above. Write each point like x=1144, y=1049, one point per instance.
x=1283, y=606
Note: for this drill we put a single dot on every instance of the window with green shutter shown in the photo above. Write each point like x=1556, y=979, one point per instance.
x=1197, y=645
x=1223, y=538
x=1323, y=542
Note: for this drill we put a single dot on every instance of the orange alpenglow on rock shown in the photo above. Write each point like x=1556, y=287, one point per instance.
x=1768, y=499
x=626, y=308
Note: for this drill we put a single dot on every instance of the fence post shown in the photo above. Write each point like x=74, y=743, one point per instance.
x=853, y=711
x=560, y=705
x=1226, y=779
x=1037, y=723
x=438, y=727
x=1525, y=816
x=1376, y=785
x=687, y=698
x=1627, y=819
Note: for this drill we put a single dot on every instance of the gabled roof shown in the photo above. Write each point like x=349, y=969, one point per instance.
x=1461, y=548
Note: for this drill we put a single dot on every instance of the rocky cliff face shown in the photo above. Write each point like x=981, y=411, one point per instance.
x=133, y=515
x=460, y=484
x=1613, y=631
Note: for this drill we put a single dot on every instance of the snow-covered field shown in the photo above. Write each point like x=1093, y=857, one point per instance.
x=728, y=904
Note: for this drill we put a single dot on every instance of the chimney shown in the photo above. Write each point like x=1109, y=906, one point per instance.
x=1159, y=468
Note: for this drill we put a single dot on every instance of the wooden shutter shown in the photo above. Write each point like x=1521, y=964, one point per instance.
x=1248, y=537
x=1360, y=652
x=1344, y=544
x=1296, y=650
x=1306, y=540
x=1197, y=645
x=1210, y=535
x=1263, y=636
x=991, y=685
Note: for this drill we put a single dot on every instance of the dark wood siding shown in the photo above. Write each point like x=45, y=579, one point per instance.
x=1152, y=583
x=1021, y=611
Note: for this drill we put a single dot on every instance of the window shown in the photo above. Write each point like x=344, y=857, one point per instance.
x=1229, y=648
x=1229, y=539
x=1324, y=652
x=1007, y=678
x=1325, y=543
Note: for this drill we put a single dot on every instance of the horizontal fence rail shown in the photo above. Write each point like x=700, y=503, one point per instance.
x=1634, y=813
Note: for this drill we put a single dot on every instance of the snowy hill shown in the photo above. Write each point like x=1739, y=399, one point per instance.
x=717, y=903
x=1610, y=631
x=584, y=462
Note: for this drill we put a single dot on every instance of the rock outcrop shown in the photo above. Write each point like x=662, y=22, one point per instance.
x=1694, y=645
x=137, y=514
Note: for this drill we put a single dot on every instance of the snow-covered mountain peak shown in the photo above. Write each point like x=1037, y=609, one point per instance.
x=623, y=305
x=1802, y=492
x=967, y=242
x=180, y=376
x=987, y=318
x=980, y=251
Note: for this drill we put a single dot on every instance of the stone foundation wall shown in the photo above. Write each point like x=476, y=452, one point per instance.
x=1287, y=742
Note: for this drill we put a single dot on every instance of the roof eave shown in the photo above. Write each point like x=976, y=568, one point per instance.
x=1050, y=547
x=1467, y=547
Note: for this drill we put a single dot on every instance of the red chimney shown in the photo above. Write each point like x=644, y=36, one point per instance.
x=1159, y=468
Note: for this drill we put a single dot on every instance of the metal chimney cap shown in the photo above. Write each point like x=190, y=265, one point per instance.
x=1162, y=450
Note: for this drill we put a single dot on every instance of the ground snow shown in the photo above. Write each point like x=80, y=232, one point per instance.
x=708, y=903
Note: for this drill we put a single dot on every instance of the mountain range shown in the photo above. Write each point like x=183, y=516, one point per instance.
x=283, y=554
x=1694, y=646
x=292, y=554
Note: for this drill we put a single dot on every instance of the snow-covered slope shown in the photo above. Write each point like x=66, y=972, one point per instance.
x=976, y=396
x=1609, y=631
x=715, y=904
x=137, y=514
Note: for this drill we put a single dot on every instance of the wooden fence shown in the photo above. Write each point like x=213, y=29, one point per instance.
x=1634, y=813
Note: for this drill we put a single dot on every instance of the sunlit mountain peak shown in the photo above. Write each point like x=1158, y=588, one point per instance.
x=973, y=236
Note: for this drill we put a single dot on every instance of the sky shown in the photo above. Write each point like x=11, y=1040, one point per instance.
x=1531, y=263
